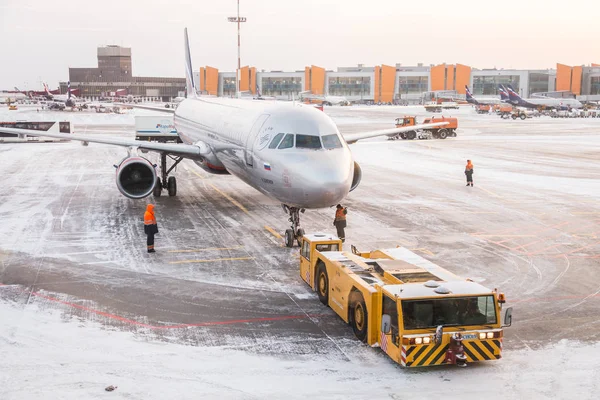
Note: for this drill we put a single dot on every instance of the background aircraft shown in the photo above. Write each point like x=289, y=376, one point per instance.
x=541, y=102
x=476, y=101
x=289, y=152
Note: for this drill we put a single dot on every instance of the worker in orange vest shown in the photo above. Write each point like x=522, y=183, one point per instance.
x=340, y=221
x=150, y=227
x=469, y=173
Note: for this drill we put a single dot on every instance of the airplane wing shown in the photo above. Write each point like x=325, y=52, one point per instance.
x=184, y=150
x=151, y=108
x=353, y=137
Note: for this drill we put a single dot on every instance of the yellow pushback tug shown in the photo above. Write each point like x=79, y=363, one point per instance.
x=418, y=313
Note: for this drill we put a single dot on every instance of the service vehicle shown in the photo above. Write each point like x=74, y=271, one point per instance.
x=418, y=313
x=156, y=129
x=438, y=132
x=483, y=108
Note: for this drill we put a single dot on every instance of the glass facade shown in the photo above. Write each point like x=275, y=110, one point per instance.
x=538, y=83
x=488, y=85
x=229, y=87
x=412, y=84
x=595, y=85
x=349, y=86
x=278, y=86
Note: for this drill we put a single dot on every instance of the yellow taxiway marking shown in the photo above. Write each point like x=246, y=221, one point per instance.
x=491, y=193
x=425, y=251
x=232, y=200
x=213, y=260
x=273, y=232
x=207, y=249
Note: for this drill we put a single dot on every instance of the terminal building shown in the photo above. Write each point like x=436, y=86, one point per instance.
x=403, y=84
x=397, y=84
x=114, y=76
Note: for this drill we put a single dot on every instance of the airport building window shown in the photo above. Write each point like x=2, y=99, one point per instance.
x=287, y=142
x=349, y=86
x=595, y=85
x=488, y=85
x=229, y=87
x=331, y=142
x=412, y=84
x=276, y=141
x=308, y=142
x=278, y=86
x=538, y=83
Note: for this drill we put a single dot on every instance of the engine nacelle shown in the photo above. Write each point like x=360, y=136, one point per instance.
x=357, y=176
x=136, y=177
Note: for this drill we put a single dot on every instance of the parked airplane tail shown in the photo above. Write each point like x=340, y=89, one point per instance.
x=513, y=95
x=189, y=76
x=47, y=90
x=470, y=98
x=503, y=93
x=69, y=90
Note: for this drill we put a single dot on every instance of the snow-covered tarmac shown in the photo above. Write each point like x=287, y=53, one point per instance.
x=220, y=312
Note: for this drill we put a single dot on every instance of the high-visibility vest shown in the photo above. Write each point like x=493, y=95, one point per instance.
x=339, y=215
x=149, y=218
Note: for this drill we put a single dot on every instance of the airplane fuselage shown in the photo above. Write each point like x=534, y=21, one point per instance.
x=550, y=103
x=291, y=153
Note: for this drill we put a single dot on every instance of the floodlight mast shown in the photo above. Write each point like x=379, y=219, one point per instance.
x=239, y=20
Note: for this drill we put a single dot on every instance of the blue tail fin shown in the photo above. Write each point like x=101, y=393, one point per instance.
x=470, y=98
x=513, y=95
x=68, y=89
x=189, y=76
x=503, y=93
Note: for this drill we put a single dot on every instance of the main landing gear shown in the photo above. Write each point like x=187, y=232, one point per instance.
x=295, y=233
x=167, y=182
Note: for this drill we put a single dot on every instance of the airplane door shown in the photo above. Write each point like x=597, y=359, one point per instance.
x=248, y=151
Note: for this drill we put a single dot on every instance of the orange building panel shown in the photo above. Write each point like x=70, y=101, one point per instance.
x=244, y=79
x=595, y=65
x=212, y=81
x=463, y=77
x=317, y=80
x=202, y=79
x=377, y=94
x=563, y=77
x=450, y=77
x=388, y=78
x=437, y=77
x=253, y=80
x=576, y=80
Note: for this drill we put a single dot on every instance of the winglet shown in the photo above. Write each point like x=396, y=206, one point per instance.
x=189, y=76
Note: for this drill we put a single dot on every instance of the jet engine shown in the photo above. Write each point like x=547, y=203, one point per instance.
x=136, y=177
x=357, y=176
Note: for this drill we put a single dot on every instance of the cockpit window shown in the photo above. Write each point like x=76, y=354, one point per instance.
x=308, y=142
x=287, y=142
x=276, y=141
x=331, y=141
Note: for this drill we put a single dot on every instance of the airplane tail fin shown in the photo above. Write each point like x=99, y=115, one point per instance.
x=68, y=89
x=503, y=93
x=17, y=89
x=189, y=76
x=470, y=98
x=46, y=89
x=512, y=94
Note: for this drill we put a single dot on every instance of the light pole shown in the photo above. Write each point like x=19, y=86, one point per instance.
x=238, y=20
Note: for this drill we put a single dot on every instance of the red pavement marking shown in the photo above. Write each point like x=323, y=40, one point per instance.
x=177, y=326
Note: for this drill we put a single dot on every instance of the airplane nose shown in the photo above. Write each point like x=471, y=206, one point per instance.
x=326, y=178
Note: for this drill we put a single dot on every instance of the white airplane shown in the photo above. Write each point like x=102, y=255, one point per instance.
x=8, y=97
x=62, y=100
x=547, y=102
x=289, y=152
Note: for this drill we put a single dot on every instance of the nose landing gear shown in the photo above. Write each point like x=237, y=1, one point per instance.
x=295, y=232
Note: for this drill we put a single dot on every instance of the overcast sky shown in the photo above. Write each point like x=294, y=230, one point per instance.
x=41, y=39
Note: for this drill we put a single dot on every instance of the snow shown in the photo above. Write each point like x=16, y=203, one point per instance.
x=46, y=355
